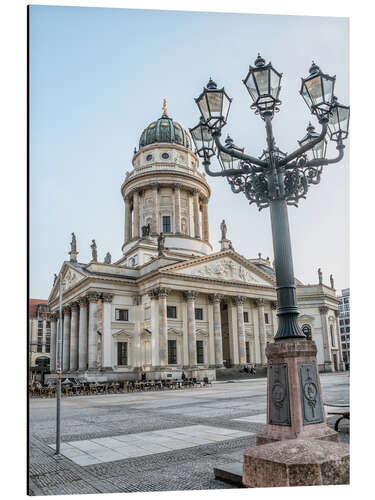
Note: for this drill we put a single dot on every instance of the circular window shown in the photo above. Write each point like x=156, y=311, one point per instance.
x=165, y=156
x=149, y=157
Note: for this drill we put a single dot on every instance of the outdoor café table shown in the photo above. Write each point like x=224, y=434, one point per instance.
x=76, y=388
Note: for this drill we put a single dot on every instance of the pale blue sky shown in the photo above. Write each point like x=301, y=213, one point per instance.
x=98, y=77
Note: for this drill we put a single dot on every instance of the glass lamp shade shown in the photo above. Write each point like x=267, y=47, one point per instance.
x=317, y=91
x=319, y=150
x=214, y=104
x=227, y=161
x=203, y=140
x=263, y=85
x=338, y=123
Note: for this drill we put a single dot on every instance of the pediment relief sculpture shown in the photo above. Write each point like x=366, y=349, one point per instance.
x=226, y=269
x=174, y=331
x=203, y=333
x=70, y=279
x=122, y=334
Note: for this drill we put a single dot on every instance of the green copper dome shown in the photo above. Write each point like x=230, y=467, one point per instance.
x=164, y=130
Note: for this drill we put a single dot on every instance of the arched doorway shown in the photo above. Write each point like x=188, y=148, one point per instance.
x=42, y=366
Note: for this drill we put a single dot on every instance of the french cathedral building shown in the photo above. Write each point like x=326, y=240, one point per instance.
x=171, y=304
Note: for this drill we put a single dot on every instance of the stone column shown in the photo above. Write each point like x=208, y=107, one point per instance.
x=211, y=335
x=326, y=344
x=241, y=329
x=216, y=298
x=136, y=214
x=205, y=227
x=154, y=329
x=262, y=331
x=82, y=334
x=338, y=334
x=92, y=298
x=275, y=322
x=107, y=331
x=53, y=343
x=177, y=208
x=155, y=214
x=190, y=296
x=163, y=326
x=197, y=233
x=74, y=337
x=137, y=357
x=128, y=220
x=66, y=340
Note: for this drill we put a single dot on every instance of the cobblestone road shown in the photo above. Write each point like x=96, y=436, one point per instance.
x=92, y=417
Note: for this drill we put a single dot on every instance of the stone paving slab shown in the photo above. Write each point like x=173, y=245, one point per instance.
x=111, y=449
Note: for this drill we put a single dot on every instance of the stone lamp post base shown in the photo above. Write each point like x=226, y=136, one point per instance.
x=295, y=407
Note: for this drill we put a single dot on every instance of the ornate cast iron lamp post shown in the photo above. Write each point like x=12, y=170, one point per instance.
x=275, y=180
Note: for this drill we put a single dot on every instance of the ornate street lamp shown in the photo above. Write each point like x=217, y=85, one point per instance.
x=317, y=90
x=214, y=104
x=226, y=160
x=263, y=85
x=338, y=122
x=203, y=140
x=317, y=151
x=276, y=180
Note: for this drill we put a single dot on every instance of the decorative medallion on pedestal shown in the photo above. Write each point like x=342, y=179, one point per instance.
x=279, y=408
x=310, y=396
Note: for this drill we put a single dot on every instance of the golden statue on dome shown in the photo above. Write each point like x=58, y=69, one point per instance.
x=165, y=113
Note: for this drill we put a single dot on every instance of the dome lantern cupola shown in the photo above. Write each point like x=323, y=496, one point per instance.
x=164, y=130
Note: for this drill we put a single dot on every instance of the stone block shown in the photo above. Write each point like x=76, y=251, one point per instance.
x=296, y=462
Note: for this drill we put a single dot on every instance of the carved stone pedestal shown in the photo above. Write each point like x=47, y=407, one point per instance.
x=298, y=462
x=294, y=397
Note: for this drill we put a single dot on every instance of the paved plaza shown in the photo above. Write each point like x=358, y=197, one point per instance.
x=153, y=441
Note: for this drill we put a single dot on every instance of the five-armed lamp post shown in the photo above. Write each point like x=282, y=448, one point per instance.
x=275, y=180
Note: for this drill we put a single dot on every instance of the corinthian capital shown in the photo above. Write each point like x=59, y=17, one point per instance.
x=238, y=300
x=74, y=306
x=190, y=295
x=82, y=301
x=107, y=297
x=259, y=302
x=93, y=296
x=215, y=297
x=323, y=310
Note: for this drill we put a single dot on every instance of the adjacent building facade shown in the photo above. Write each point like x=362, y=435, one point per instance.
x=39, y=337
x=344, y=317
x=171, y=304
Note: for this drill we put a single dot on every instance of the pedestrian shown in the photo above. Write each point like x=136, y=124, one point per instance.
x=183, y=376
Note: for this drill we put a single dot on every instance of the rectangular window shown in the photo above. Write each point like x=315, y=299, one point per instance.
x=199, y=313
x=266, y=319
x=341, y=322
x=346, y=300
x=172, y=352
x=347, y=321
x=122, y=314
x=342, y=330
x=246, y=316
x=200, y=352
x=171, y=312
x=40, y=324
x=247, y=352
x=343, y=338
x=122, y=353
x=166, y=224
x=347, y=329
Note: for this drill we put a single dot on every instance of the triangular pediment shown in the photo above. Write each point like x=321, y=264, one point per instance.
x=71, y=276
x=225, y=266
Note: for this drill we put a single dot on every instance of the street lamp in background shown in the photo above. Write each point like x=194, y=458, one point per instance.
x=277, y=179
